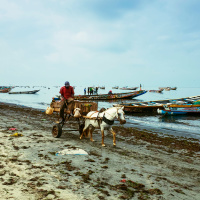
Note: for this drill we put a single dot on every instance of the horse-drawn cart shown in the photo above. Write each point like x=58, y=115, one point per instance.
x=83, y=107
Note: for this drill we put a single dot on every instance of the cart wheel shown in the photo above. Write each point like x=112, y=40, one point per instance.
x=81, y=126
x=57, y=130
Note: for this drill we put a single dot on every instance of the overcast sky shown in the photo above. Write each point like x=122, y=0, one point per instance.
x=100, y=42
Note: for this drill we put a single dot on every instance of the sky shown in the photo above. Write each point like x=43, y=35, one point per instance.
x=100, y=42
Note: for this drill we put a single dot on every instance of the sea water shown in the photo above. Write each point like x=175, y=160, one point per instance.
x=186, y=126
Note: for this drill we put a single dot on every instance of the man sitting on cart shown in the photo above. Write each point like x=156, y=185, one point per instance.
x=67, y=99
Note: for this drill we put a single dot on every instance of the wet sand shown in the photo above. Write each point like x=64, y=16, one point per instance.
x=143, y=165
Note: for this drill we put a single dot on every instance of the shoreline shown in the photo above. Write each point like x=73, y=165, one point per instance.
x=142, y=126
x=143, y=165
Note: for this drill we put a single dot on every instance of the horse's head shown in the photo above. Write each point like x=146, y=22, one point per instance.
x=77, y=113
x=120, y=115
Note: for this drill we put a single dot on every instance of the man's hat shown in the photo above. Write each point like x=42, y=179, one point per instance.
x=67, y=83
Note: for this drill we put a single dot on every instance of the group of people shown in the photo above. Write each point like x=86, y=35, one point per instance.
x=91, y=90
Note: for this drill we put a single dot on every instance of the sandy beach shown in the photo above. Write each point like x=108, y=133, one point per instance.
x=143, y=165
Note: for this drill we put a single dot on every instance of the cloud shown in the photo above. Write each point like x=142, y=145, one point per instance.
x=112, y=9
x=131, y=35
x=9, y=11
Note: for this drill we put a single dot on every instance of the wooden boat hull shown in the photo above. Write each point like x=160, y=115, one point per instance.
x=142, y=109
x=25, y=92
x=6, y=90
x=151, y=107
x=113, y=96
x=168, y=88
x=126, y=88
x=179, y=109
x=156, y=91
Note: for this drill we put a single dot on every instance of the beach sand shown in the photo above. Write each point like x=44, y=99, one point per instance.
x=143, y=165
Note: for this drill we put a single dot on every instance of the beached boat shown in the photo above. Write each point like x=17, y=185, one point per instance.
x=25, y=92
x=141, y=109
x=175, y=109
x=151, y=107
x=114, y=96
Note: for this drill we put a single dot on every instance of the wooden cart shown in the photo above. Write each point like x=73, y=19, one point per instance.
x=85, y=107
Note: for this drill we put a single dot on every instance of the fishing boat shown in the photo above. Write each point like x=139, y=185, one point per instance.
x=141, y=109
x=25, y=92
x=167, y=88
x=156, y=91
x=5, y=90
x=175, y=109
x=3, y=87
x=163, y=88
x=116, y=87
x=113, y=96
x=173, y=88
x=128, y=88
x=151, y=107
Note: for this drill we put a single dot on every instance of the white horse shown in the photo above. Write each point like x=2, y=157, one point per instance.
x=103, y=120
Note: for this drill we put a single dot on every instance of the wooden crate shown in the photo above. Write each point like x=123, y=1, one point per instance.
x=85, y=106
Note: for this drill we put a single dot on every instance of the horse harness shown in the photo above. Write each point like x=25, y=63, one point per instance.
x=104, y=119
x=107, y=121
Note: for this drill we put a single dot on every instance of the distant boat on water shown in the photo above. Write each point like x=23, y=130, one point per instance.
x=167, y=88
x=25, y=92
x=173, y=88
x=128, y=88
x=156, y=91
x=5, y=89
x=116, y=87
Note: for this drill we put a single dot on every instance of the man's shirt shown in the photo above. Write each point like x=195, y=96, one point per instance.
x=67, y=92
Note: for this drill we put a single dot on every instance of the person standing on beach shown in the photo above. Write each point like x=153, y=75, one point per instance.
x=84, y=91
x=96, y=90
x=91, y=91
x=67, y=99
